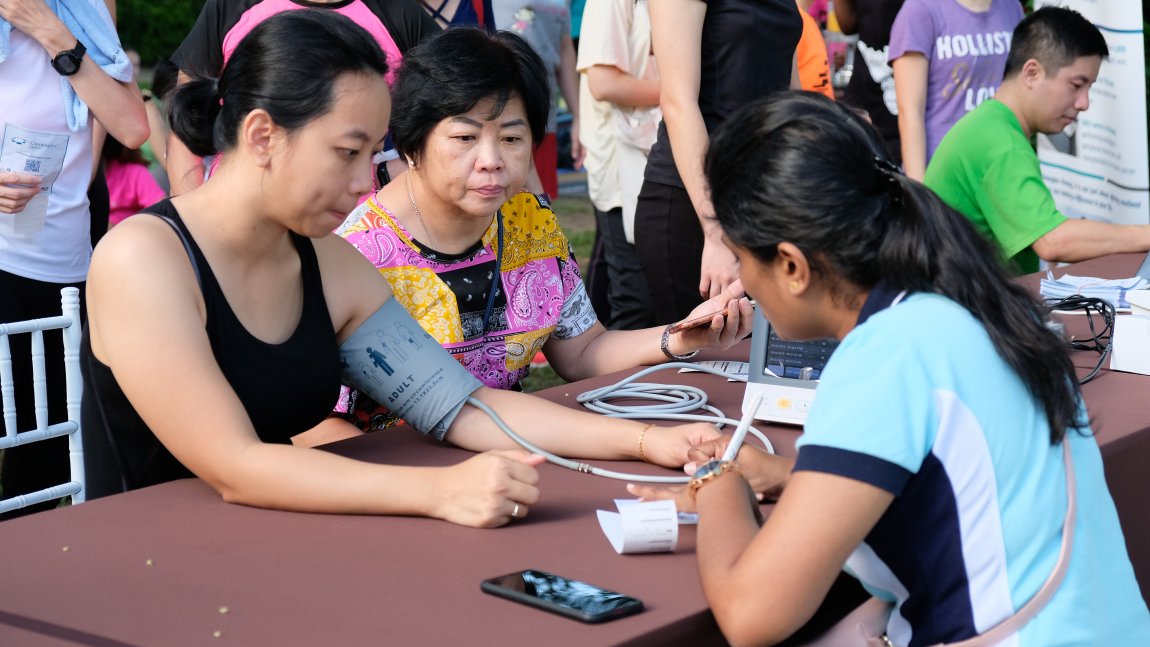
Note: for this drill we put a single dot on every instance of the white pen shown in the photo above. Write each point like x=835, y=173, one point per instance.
x=741, y=429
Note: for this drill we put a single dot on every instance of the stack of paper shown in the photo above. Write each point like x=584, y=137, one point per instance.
x=1112, y=290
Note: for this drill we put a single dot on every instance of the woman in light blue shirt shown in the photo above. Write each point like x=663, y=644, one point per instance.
x=932, y=464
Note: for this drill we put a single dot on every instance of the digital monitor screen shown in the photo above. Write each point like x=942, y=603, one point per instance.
x=774, y=357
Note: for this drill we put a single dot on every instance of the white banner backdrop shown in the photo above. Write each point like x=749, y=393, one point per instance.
x=1098, y=167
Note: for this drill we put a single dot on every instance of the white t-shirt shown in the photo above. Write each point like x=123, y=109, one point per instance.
x=32, y=102
x=616, y=138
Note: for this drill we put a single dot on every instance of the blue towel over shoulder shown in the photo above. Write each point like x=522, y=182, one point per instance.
x=92, y=25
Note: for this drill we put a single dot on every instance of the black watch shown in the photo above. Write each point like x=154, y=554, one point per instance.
x=68, y=61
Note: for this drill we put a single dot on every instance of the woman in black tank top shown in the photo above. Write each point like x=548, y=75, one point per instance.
x=214, y=338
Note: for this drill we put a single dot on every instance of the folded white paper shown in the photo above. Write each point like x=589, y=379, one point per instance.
x=641, y=526
x=1112, y=290
x=685, y=518
x=1139, y=302
x=1130, y=350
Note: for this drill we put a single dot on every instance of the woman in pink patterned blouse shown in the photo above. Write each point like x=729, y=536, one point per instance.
x=481, y=265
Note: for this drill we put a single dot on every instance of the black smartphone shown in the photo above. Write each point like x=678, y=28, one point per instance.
x=567, y=597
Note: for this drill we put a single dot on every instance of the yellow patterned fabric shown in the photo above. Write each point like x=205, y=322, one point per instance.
x=532, y=233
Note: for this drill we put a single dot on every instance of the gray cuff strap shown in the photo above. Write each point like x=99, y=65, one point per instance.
x=400, y=366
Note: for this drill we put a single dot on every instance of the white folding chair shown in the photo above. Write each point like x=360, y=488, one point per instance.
x=69, y=324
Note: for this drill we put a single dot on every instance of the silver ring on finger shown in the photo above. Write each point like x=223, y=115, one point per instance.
x=515, y=512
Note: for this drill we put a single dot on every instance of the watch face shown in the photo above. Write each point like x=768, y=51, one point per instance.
x=709, y=468
x=67, y=63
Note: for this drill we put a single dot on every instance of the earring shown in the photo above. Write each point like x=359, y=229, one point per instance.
x=794, y=285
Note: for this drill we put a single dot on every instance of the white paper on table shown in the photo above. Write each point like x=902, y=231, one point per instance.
x=36, y=152
x=642, y=527
x=738, y=370
x=685, y=518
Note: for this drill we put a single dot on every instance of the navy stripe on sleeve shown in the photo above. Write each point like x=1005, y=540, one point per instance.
x=854, y=465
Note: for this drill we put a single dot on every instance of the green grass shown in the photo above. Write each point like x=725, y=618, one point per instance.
x=582, y=242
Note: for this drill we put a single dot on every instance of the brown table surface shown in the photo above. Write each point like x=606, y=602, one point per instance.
x=157, y=565
x=174, y=564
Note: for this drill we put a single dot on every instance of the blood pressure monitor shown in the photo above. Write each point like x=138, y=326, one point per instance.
x=785, y=372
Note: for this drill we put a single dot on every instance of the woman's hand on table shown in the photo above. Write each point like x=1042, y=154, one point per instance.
x=678, y=493
x=488, y=490
x=670, y=446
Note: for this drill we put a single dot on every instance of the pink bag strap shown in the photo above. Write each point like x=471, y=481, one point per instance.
x=1050, y=587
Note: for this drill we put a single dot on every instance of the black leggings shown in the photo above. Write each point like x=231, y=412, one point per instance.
x=627, y=294
x=29, y=468
x=669, y=242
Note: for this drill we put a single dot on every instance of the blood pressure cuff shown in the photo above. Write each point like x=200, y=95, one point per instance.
x=400, y=366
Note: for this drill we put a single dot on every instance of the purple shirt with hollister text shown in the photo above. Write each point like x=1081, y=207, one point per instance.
x=966, y=52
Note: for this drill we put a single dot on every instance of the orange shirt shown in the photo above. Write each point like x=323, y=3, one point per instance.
x=811, y=55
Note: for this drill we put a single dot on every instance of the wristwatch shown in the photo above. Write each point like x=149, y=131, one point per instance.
x=68, y=61
x=708, y=472
x=664, y=345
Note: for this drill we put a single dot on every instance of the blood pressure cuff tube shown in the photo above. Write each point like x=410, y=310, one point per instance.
x=392, y=359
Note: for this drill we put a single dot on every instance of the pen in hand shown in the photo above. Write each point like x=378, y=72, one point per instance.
x=741, y=430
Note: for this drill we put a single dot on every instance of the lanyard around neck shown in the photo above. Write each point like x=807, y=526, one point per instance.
x=496, y=280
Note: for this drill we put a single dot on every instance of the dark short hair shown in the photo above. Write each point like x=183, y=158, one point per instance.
x=447, y=74
x=1055, y=37
x=287, y=65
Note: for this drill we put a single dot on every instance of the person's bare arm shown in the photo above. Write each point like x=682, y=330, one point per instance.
x=676, y=32
x=910, y=82
x=819, y=520
x=116, y=105
x=159, y=131
x=1079, y=239
x=569, y=88
x=609, y=83
x=599, y=351
x=559, y=429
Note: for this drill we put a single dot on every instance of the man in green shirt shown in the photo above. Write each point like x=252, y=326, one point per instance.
x=986, y=168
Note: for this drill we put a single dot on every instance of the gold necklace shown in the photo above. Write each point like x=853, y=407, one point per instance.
x=418, y=213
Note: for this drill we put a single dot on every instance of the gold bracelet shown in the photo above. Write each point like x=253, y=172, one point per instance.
x=642, y=434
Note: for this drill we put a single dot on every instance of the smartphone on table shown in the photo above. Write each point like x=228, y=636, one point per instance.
x=572, y=598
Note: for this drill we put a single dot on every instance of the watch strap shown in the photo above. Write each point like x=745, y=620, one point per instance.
x=664, y=342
